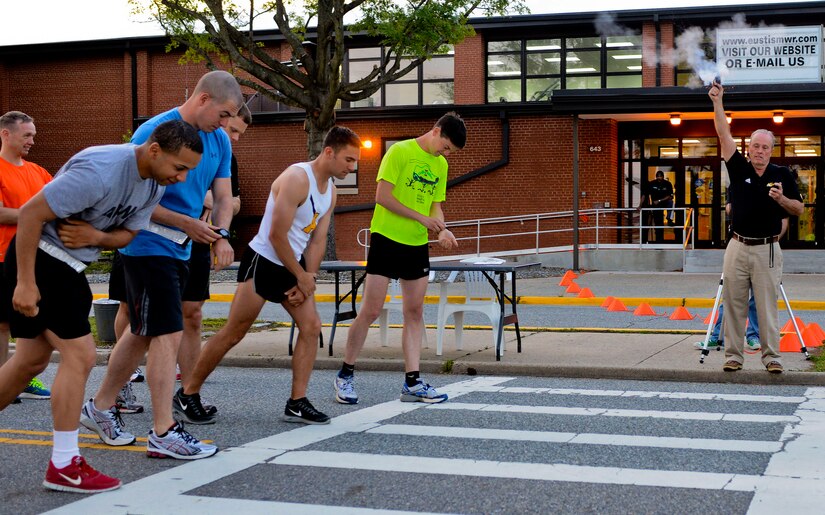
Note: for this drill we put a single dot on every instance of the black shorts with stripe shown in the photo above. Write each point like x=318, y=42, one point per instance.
x=270, y=280
x=154, y=286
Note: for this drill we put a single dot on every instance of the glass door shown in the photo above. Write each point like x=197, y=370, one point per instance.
x=701, y=194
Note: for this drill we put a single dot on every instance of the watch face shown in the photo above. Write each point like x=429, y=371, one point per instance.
x=224, y=233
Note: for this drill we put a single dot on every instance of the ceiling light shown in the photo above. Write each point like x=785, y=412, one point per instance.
x=495, y=63
x=675, y=119
x=580, y=70
x=634, y=68
x=778, y=117
x=800, y=138
x=691, y=141
x=627, y=56
x=543, y=47
x=729, y=117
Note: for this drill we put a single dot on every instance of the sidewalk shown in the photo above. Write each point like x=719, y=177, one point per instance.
x=607, y=355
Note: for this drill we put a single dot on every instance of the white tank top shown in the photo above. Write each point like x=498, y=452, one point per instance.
x=306, y=219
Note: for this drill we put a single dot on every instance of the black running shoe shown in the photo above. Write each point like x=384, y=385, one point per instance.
x=188, y=408
x=303, y=411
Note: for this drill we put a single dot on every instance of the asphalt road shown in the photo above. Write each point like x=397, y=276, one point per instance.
x=500, y=445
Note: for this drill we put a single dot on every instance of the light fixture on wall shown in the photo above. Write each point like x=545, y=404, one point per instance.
x=778, y=117
x=729, y=117
x=675, y=119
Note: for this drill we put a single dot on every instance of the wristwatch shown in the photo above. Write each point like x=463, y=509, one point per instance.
x=223, y=233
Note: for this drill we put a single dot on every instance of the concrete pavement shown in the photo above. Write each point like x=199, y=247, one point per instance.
x=566, y=352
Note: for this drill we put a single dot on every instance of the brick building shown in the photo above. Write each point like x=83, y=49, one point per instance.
x=528, y=87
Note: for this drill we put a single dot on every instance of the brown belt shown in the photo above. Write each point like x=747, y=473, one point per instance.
x=754, y=241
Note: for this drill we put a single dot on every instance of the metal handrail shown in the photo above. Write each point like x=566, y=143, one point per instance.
x=688, y=233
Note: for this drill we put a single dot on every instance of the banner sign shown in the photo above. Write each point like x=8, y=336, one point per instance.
x=762, y=55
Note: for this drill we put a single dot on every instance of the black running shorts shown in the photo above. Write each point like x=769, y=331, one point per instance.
x=395, y=260
x=65, y=298
x=270, y=280
x=154, y=285
x=197, y=284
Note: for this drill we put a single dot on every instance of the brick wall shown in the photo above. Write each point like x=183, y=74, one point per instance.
x=469, y=71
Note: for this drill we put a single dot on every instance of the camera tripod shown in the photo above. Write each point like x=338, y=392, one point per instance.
x=715, y=310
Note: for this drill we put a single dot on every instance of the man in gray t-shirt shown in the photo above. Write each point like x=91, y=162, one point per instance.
x=99, y=199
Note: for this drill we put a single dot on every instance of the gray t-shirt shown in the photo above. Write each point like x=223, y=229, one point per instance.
x=101, y=186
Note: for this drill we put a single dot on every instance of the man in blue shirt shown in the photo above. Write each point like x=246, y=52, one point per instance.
x=156, y=270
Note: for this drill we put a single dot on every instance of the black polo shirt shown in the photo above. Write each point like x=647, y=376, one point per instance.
x=659, y=190
x=757, y=215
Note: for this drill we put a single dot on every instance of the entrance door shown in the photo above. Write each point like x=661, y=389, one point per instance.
x=703, y=195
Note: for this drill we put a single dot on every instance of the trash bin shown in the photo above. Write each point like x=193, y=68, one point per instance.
x=105, y=312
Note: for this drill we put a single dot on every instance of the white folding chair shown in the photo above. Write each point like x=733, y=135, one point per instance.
x=395, y=303
x=479, y=296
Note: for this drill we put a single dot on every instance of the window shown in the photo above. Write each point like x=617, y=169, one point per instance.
x=429, y=83
x=531, y=69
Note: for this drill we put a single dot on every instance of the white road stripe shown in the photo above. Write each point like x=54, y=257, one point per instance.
x=592, y=412
x=801, y=460
x=166, y=487
x=507, y=470
x=648, y=394
x=580, y=438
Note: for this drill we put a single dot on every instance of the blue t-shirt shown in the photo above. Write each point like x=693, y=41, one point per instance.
x=184, y=197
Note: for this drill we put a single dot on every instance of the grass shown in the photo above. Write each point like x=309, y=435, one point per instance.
x=209, y=327
x=818, y=359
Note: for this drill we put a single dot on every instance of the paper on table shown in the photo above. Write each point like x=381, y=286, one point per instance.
x=483, y=260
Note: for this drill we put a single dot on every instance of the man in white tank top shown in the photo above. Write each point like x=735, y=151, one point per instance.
x=280, y=266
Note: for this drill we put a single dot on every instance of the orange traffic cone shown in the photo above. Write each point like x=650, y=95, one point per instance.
x=707, y=318
x=820, y=334
x=573, y=288
x=607, y=302
x=789, y=343
x=567, y=278
x=789, y=328
x=811, y=338
x=585, y=293
x=681, y=313
x=644, y=309
x=617, y=305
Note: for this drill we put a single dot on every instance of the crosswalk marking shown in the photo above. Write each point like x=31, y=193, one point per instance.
x=794, y=481
x=647, y=394
x=579, y=438
x=609, y=412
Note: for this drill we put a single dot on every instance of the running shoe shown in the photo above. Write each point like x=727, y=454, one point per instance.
x=188, y=408
x=17, y=401
x=752, y=346
x=107, y=424
x=421, y=392
x=345, y=390
x=78, y=477
x=178, y=444
x=36, y=390
x=126, y=400
x=302, y=410
x=137, y=376
x=712, y=344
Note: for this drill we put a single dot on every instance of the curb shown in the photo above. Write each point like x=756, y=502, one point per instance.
x=473, y=368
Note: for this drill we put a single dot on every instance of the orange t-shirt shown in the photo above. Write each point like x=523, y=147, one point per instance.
x=17, y=185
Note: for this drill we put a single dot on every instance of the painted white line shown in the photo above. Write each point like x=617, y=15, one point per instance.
x=581, y=438
x=648, y=394
x=801, y=461
x=506, y=470
x=168, y=486
x=592, y=412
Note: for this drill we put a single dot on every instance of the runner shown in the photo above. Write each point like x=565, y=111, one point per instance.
x=99, y=199
x=280, y=266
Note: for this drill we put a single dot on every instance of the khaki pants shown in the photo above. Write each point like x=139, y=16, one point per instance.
x=748, y=267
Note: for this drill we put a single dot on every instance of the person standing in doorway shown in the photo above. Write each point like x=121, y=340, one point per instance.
x=658, y=195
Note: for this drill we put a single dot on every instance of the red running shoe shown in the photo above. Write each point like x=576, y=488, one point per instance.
x=79, y=477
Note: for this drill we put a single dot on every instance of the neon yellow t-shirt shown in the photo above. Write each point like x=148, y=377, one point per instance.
x=419, y=179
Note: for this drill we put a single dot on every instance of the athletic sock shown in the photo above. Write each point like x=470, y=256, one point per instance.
x=411, y=378
x=64, y=448
x=347, y=370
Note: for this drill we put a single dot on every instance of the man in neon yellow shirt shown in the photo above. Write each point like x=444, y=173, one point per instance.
x=412, y=184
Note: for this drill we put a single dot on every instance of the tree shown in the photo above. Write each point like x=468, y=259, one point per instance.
x=311, y=78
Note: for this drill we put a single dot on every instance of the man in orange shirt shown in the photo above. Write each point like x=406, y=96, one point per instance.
x=20, y=180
